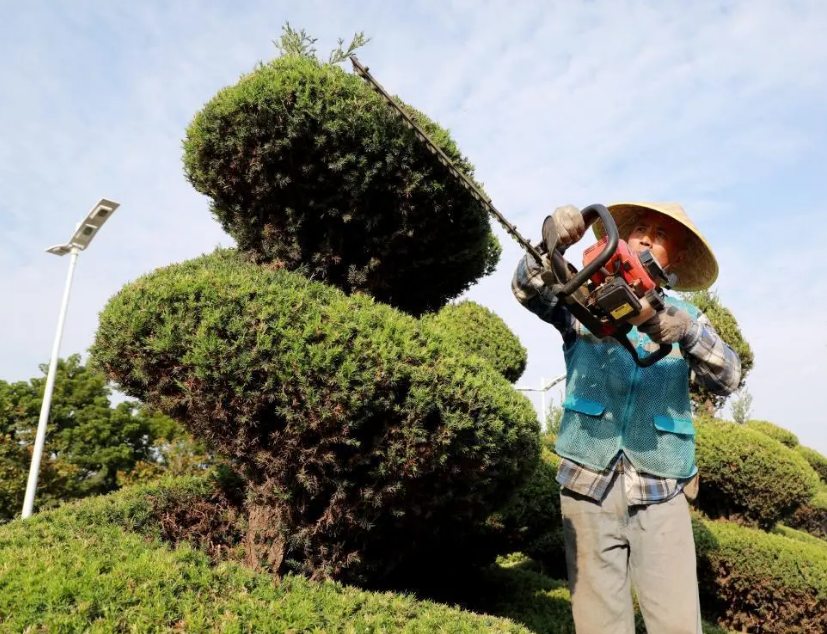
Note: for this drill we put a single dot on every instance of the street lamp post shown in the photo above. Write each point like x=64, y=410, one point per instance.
x=544, y=387
x=85, y=231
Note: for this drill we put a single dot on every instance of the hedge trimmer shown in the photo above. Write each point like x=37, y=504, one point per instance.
x=606, y=293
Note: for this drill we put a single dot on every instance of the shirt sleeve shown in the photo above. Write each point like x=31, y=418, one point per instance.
x=530, y=290
x=716, y=366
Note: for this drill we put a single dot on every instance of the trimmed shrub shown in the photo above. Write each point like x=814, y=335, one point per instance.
x=475, y=329
x=798, y=535
x=753, y=581
x=77, y=570
x=364, y=440
x=816, y=460
x=308, y=168
x=812, y=516
x=530, y=523
x=747, y=476
x=775, y=432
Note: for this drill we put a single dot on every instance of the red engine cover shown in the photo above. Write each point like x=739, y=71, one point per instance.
x=630, y=266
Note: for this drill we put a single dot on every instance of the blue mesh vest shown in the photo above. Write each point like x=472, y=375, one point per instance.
x=612, y=404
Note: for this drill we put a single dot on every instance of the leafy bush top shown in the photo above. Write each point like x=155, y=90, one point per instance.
x=774, y=431
x=753, y=581
x=748, y=476
x=477, y=330
x=816, y=460
x=308, y=168
x=357, y=428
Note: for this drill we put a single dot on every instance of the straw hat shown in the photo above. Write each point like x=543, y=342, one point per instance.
x=698, y=269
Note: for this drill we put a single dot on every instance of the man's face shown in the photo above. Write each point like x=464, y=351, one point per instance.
x=661, y=235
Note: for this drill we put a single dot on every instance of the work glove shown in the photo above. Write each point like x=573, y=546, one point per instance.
x=563, y=228
x=668, y=326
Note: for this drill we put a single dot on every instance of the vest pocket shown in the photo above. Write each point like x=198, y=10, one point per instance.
x=584, y=406
x=681, y=426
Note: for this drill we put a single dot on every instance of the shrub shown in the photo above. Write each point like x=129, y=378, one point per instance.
x=811, y=517
x=775, y=432
x=310, y=169
x=475, y=329
x=530, y=523
x=816, y=460
x=798, y=535
x=754, y=581
x=363, y=439
x=725, y=324
x=747, y=476
x=76, y=570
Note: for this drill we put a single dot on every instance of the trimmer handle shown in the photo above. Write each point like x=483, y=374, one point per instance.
x=565, y=291
x=590, y=214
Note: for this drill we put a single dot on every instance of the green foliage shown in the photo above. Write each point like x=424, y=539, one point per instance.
x=88, y=442
x=796, y=534
x=816, y=460
x=812, y=516
x=363, y=438
x=530, y=523
x=475, y=329
x=309, y=169
x=725, y=324
x=747, y=476
x=77, y=570
x=742, y=406
x=753, y=581
x=299, y=43
x=775, y=432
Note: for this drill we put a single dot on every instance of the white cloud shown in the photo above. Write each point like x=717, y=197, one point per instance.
x=716, y=105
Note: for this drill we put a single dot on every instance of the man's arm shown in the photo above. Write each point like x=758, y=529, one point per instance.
x=716, y=365
x=531, y=292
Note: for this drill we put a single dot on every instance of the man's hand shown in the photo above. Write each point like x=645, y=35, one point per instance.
x=563, y=228
x=668, y=326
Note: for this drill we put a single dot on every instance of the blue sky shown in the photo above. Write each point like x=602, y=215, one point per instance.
x=718, y=106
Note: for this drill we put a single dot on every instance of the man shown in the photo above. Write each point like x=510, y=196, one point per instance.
x=627, y=439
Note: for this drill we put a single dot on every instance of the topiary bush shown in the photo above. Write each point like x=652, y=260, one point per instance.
x=747, y=476
x=77, y=570
x=775, y=432
x=816, y=460
x=362, y=437
x=530, y=523
x=752, y=581
x=475, y=329
x=811, y=517
x=308, y=168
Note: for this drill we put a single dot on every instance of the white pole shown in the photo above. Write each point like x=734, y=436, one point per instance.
x=28, y=502
x=543, y=401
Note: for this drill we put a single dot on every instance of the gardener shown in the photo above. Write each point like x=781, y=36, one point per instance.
x=626, y=438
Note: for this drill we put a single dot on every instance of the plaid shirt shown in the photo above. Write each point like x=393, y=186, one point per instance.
x=713, y=364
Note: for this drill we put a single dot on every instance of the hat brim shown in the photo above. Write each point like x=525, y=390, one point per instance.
x=697, y=270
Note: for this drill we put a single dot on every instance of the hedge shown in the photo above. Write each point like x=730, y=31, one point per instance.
x=811, y=517
x=362, y=436
x=758, y=582
x=308, y=168
x=816, y=460
x=77, y=570
x=747, y=476
x=475, y=329
x=775, y=432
